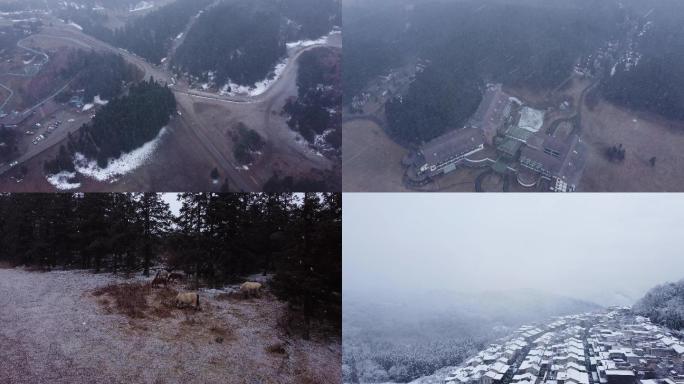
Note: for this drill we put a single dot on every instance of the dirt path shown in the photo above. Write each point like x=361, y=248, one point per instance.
x=54, y=331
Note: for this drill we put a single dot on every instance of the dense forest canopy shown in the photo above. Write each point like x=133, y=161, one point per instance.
x=316, y=111
x=664, y=304
x=126, y=123
x=8, y=144
x=246, y=49
x=215, y=238
x=96, y=73
x=240, y=41
x=437, y=101
x=149, y=36
x=656, y=84
x=311, y=18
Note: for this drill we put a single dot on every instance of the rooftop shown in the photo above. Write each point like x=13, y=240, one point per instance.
x=449, y=145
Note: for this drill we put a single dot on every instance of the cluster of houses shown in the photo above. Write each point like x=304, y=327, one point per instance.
x=615, y=347
x=507, y=136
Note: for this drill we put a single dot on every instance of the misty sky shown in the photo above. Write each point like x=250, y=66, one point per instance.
x=172, y=200
x=596, y=247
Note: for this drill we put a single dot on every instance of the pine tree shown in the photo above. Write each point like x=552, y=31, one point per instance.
x=154, y=220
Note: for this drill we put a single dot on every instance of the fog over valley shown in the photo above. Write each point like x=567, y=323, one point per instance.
x=430, y=280
x=601, y=249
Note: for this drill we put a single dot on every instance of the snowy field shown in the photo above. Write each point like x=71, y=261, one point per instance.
x=54, y=330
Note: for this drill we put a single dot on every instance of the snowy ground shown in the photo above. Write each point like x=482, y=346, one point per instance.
x=55, y=331
x=126, y=163
x=263, y=85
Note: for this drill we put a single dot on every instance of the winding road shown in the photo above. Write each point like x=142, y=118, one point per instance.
x=242, y=181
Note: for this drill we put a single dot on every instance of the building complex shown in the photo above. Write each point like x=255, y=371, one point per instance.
x=615, y=347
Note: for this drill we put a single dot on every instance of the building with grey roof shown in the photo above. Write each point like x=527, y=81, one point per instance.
x=492, y=112
x=562, y=162
x=443, y=154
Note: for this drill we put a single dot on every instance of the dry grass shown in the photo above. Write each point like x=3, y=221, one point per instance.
x=129, y=299
x=6, y=265
x=136, y=300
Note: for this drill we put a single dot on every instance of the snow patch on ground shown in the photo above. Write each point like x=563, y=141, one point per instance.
x=263, y=85
x=62, y=182
x=121, y=166
x=75, y=25
x=141, y=6
x=97, y=100
x=88, y=107
x=309, y=43
x=259, y=87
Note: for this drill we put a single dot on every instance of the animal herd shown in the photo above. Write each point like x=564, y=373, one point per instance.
x=192, y=299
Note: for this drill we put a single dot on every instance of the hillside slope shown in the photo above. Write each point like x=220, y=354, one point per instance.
x=401, y=337
x=663, y=304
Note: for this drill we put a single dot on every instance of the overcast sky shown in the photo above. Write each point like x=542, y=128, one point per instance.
x=172, y=200
x=588, y=246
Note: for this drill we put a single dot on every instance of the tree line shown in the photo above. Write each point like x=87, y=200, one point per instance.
x=656, y=83
x=123, y=125
x=214, y=238
x=317, y=108
x=97, y=73
x=246, y=49
x=149, y=36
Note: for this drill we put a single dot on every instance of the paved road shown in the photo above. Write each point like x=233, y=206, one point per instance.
x=67, y=33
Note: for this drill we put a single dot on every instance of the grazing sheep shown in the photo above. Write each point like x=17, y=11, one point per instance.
x=250, y=288
x=188, y=299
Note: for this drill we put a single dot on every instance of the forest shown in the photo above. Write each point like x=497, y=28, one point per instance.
x=149, y=36
x=656, y=84
x=312, y=18
x=246, y=49
x=664, y=305
x=439, y=100
x=102, y=74
x=215, y=238
x=124, y=124
x=317, y=107
x=468, y=44
x=247, y=143
x=8, y=144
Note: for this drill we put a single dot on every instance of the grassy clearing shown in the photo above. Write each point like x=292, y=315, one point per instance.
x=136, y=300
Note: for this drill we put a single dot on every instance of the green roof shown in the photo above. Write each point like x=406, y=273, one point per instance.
x=500, y=167
x=510, y=147
x=518, y=133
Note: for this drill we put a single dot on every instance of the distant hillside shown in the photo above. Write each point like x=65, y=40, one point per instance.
x=664, y=304
x=400, y=337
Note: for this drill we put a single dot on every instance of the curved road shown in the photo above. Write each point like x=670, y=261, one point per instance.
x=275, y=89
